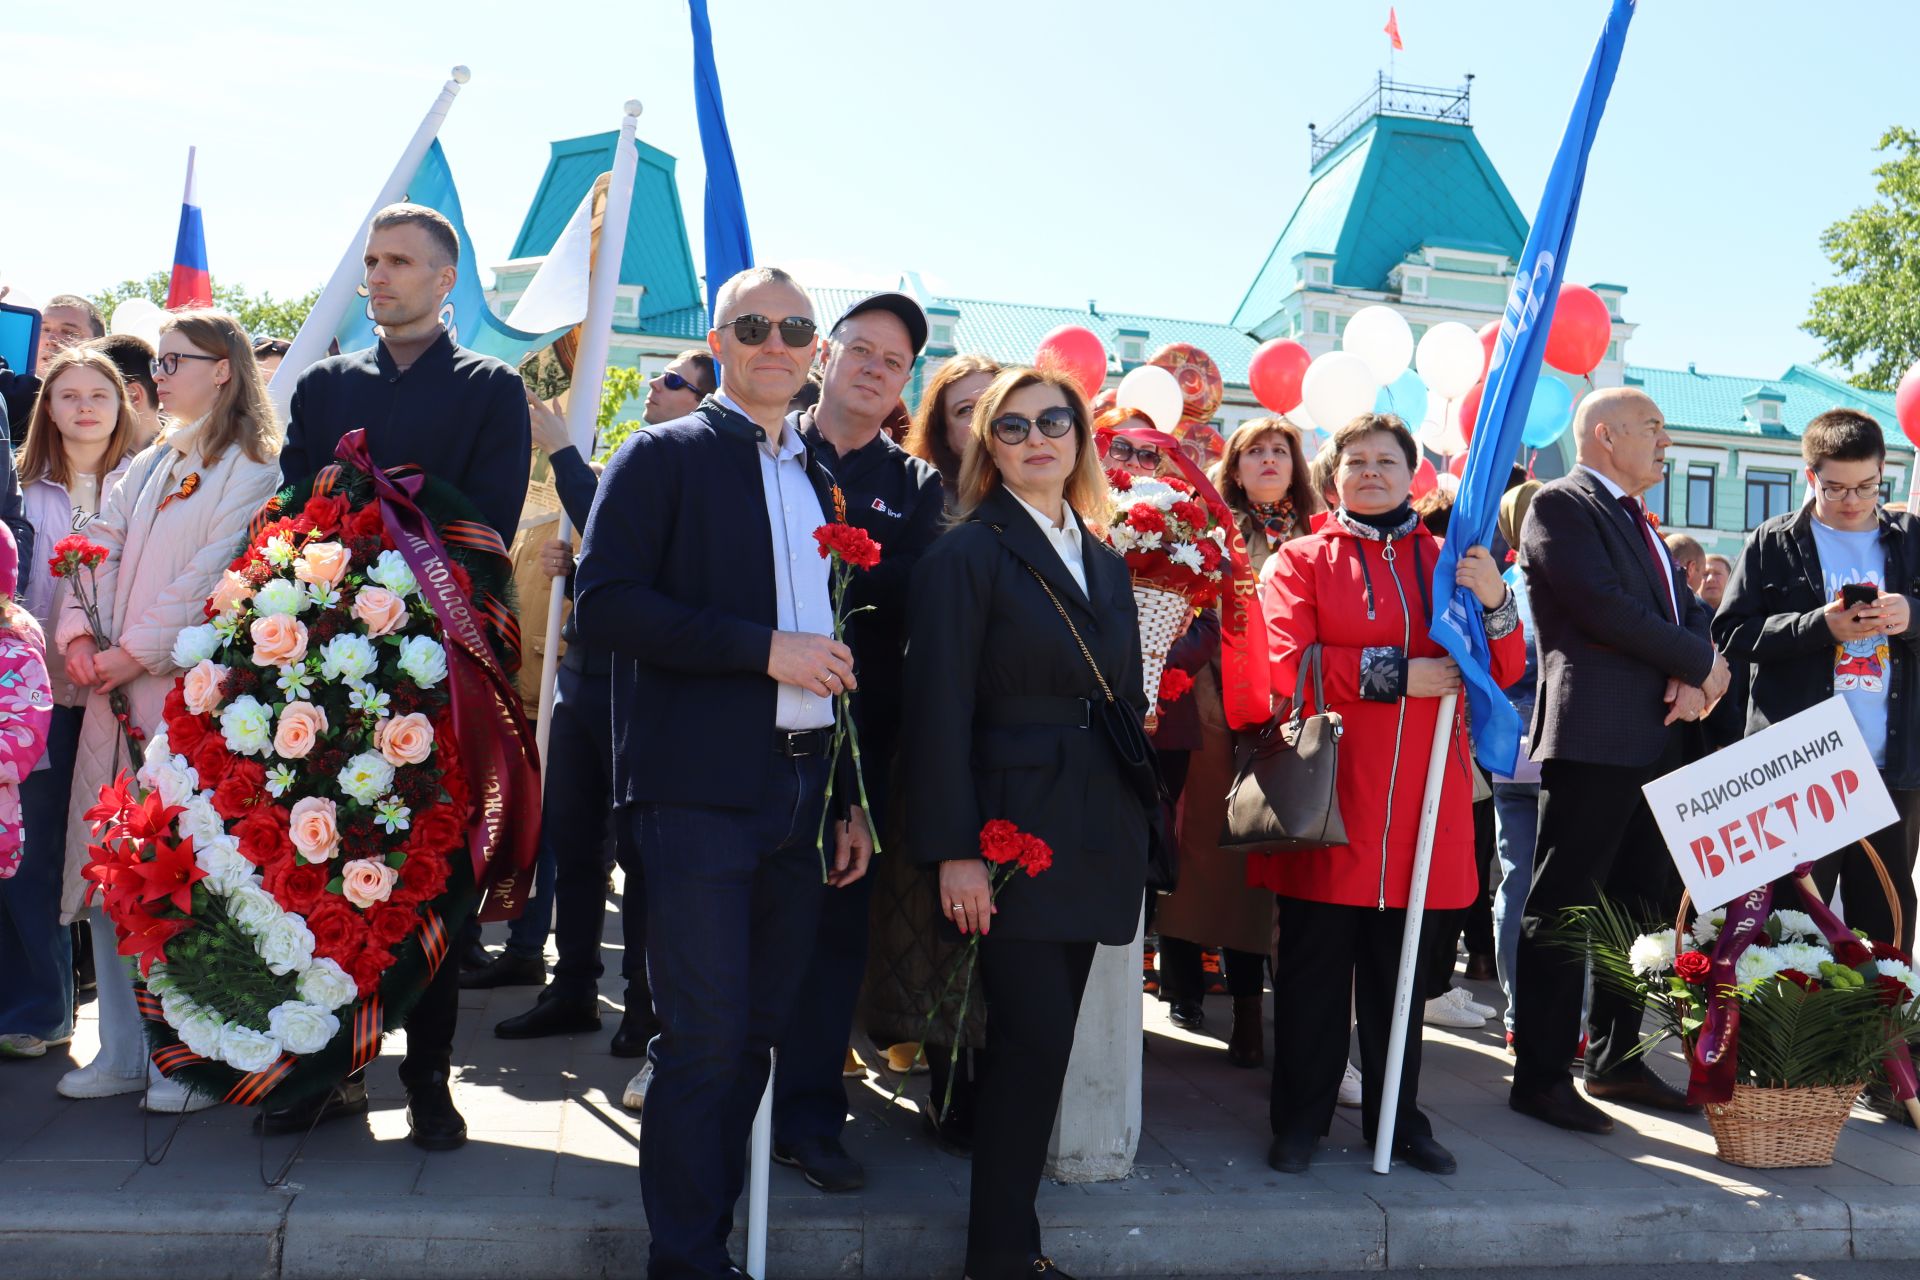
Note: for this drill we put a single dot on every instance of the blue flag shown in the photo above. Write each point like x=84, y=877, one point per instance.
x=465, y=313
x=729, y=247
x=1509, y=391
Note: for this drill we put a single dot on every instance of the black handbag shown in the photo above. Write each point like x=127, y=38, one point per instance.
x=1135, y=753
x=1284, y=797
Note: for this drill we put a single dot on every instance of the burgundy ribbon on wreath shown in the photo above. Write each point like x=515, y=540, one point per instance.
x=496, y=743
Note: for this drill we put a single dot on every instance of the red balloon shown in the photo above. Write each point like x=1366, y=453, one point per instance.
x=1581, y=330
x=1457, y=466
x=1906, y=403
x=1489, y=334
x=1425, y=478
x=1275, y=372
x=1077, y=352
x=1470, y=410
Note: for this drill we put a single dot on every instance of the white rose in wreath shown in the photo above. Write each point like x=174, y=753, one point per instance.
x=301, y=1027
x=252, y=909
x=285, y=945
x=326, y=984
x=200, y=820
x=245, y=1049
x=200, y=1031
x=220, y=857
x=195, y=645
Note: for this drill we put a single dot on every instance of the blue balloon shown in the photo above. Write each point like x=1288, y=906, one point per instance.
x=1550, y=413
x=1406, y=396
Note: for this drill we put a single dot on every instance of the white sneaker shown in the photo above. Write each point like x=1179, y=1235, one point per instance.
x=167, y=1097
x=635, y=1098
x=1464, y=998
x=18, y=1044
x=93, y=1081
x=1443, y=1012
x=1350, y=1087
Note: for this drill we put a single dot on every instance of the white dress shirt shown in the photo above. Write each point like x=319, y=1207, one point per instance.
x=1666, y=561
x=803, y=600
x=1065, y=541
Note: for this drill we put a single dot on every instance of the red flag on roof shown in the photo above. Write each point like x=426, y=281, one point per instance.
x=1393, y=28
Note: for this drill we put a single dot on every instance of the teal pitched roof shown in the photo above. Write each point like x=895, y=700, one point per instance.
x=1397, y=183
x=1716, y=403
x=657, y=254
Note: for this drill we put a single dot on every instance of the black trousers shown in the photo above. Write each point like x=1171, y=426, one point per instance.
x=1182, y=975
x=430, y=1028
x=1328, y=950
x=1862, y=902
x=1596, y=836
x=1033, y=992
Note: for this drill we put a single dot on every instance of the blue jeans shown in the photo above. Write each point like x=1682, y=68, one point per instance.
x=733, y=900
x=36, y=950
x=1516, y=815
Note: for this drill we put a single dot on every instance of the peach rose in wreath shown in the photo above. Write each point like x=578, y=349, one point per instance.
x=404, y=739
x=322, y=564
x=365, y=882
x=230, y=593
x=381, y=610
x=300, y=727
x=278, y=640
x=201, y=687
x=314, y=830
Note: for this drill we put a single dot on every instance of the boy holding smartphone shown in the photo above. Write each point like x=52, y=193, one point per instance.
x=1821, y=603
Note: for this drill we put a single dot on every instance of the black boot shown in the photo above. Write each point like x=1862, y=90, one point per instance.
x=508, y=969
x=638, y=1026
x=348, y=1098
x=555, y=1013
x=433, y=1124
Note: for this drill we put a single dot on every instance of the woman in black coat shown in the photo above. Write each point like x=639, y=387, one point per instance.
x=1006, y=719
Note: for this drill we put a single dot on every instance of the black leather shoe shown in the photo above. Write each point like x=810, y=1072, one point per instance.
x=475, y=956
x=637, y=1028
x=1290, y=1154
x=507, y=969
x=433, y=1124
x=1426, y=1155
x=348, y=1098
x=1188, y=1015
x=954, y=1135
x=552, y=1015
x=1642, y=1088
x=823, y=1162
x=1561, y=1106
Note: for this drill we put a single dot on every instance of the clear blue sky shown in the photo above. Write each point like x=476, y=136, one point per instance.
x=1144, y=154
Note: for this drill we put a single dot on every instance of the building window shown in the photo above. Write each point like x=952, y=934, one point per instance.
x=942, y=335
x=1613, y=352
x=1657, y=496
x=1319, y=321
x=1132, y=350
x=1700, y=477
x=1886, y=492
x=1414, y=285
x=1769, y=493
x=1319, y=274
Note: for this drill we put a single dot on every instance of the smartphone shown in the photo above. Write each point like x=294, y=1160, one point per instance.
x=19, y=337
x=1858, y=593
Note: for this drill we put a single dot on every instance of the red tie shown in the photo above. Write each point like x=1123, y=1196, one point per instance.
x=1654, y=550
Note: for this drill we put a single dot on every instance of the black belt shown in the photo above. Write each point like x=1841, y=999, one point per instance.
x=797, y=743
x=1071, y=713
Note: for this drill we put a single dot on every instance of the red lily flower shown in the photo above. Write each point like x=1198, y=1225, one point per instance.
x=148, y=939
x=170, y=874
x=152, y=818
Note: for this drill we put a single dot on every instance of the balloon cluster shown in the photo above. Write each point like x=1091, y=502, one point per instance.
x=1178, y=390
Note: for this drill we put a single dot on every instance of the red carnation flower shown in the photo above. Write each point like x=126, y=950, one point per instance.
x=1692, y=966
x=1192, y=513
x=1000, y=841
x=1174, y=685
x=1177, y=484
x=1119, y=481
x=262, y=833
x=1146, y=519
x=1035, y=855
x=325, y=513
x=846, y=542
x=1209, y=554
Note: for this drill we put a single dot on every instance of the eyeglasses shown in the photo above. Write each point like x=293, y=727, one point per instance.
x=795, y=331
x=1841, y=492
x=674, y=382
x=1123, y=451
x=1011, y=428
x=169, y=363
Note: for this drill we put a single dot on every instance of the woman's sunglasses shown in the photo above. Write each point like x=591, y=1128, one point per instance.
x=1123, y=451
x=1011, y=428
x=169, y=363
x=795, y=331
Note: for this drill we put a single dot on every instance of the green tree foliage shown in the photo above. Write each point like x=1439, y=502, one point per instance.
x=261, y=315
x=1870, y=320
x=622, y=387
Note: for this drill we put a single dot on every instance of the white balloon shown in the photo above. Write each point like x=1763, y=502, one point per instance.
x=1338, y=388
x=1432, y=429
x=1300, y=418
x=1449, y=359
x=1380, y=336
x=1154, y=392
x=1448, y=482
x=140, y=318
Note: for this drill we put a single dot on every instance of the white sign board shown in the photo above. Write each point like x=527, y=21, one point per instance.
x=1750, y=813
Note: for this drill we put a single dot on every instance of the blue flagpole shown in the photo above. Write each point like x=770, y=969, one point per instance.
x=1490, y=456
x=729, y=249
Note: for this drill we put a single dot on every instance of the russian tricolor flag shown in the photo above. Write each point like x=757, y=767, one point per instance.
x=190, y=286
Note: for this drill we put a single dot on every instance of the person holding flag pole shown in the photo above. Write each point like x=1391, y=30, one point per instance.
x=1458, y=627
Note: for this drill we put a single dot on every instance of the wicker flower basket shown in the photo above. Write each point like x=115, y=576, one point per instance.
x=1781, y=1128
x=1164, y=615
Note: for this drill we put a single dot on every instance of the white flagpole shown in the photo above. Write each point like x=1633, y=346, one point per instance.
x=316, y=332
x=1410, y=938
x=759, y=1175
x=583, y=393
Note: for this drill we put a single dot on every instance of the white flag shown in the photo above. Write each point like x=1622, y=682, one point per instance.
x=556, y=297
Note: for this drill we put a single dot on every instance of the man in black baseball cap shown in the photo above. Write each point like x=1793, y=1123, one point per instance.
x=870, y=355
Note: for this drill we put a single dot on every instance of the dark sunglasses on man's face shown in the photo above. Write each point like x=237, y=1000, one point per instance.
x=674, y=382
x=795, y=331
x=1011, y=428
x=1123, y=451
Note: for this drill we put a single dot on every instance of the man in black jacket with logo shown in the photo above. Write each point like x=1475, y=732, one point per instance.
x=1822, y=602
x=896, y=498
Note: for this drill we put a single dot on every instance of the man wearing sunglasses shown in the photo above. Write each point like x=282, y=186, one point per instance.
x=895, y=497
x=700, y=573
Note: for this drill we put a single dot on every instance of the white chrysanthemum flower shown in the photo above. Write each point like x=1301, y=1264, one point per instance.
x=348, y=658
x=280, y=595
x=1756, y=964
x=367, y=777
x=1707, y=927
x=1185, y=553
x=195, y=645
x=1795, y=926
x=391, y=572
x=1652, y=953
x=1155, y=493
x=423, y=661
x=1902, y=970
x=1804, y=956
x=1123, y=537
x=326, y=984
x=247, y=725
x=1150, y=541
x=302, y=1027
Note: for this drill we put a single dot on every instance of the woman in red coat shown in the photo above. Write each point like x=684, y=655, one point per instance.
x=1360, y=589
